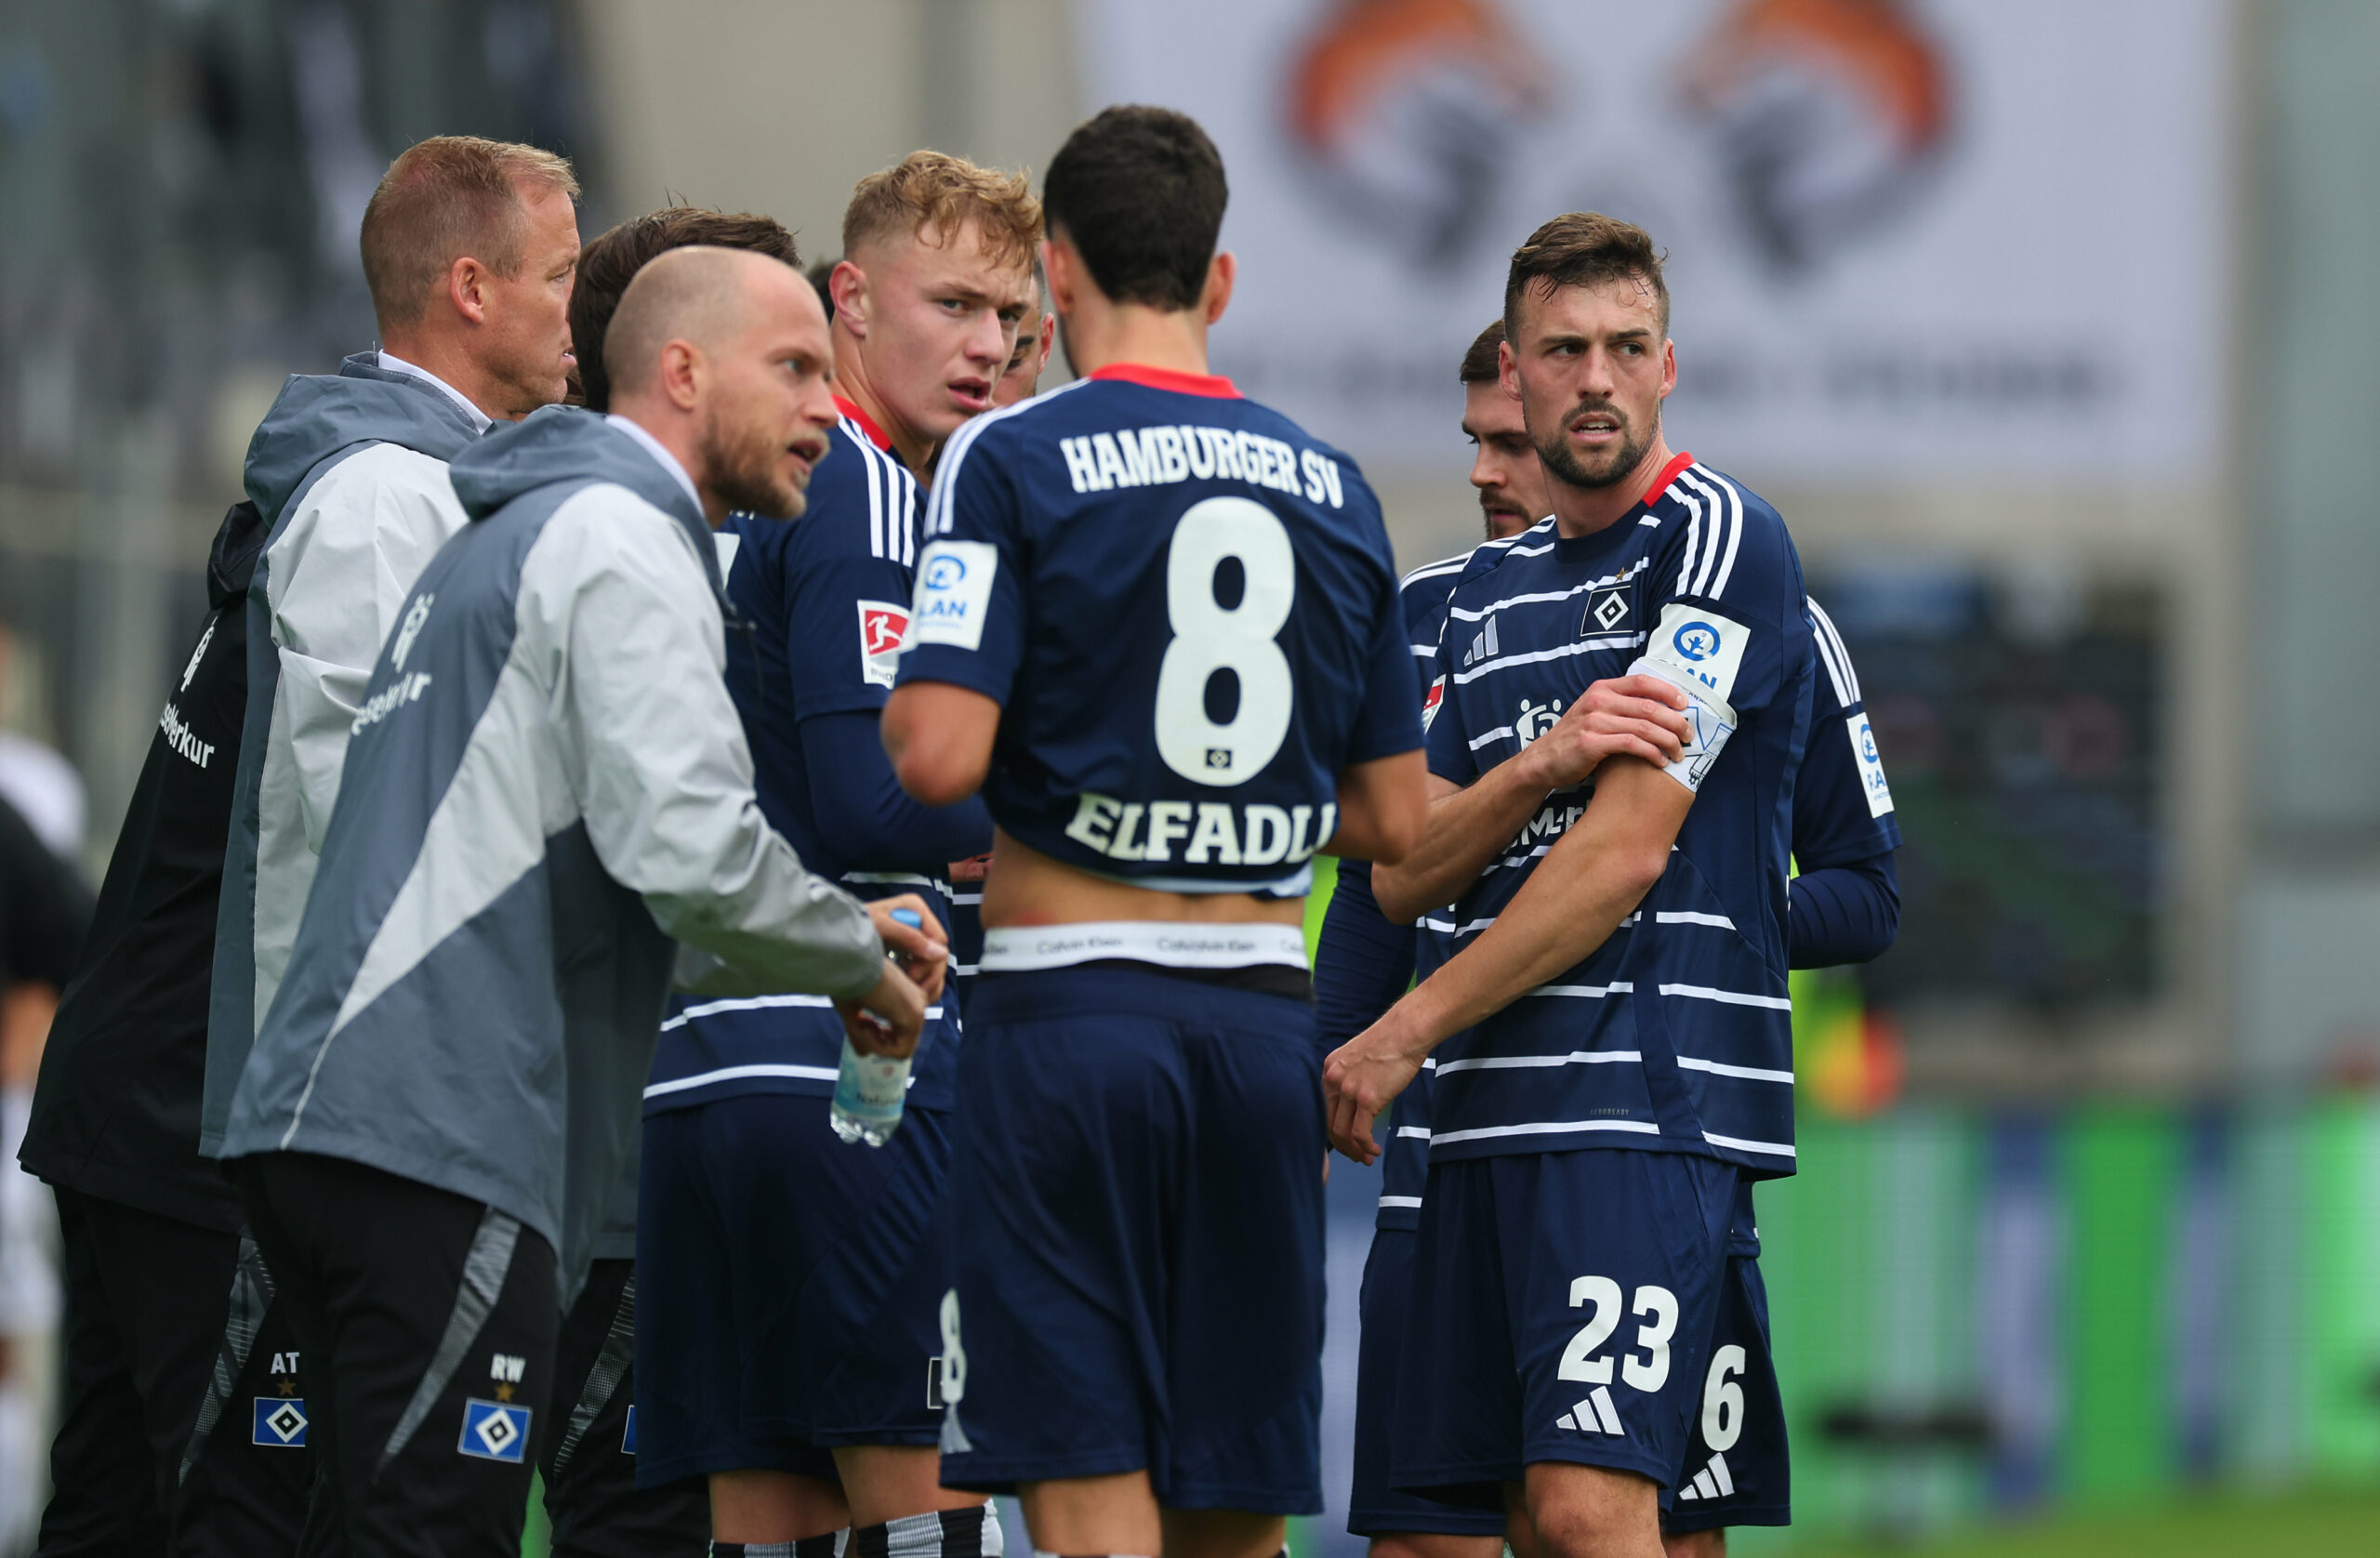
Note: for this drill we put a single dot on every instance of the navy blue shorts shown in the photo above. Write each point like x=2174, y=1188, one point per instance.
x=1136, y=1239
x=1737, y=1470
x=787, y=1287
x=1567, y=1302
x=1375, y=1509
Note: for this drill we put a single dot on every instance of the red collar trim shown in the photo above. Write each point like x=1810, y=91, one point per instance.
x=1215, y=386
x=1668, y=473
x=876, y=435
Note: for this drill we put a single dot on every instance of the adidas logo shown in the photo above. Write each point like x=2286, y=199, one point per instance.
x=1712, y=1482
x=1594, y=1415
x=1484, y=646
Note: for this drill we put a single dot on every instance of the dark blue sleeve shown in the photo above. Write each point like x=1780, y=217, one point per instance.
x=968, y=618
x=862, y=808
x=1363, y=961
x=1388, y=720
x=1845, y=914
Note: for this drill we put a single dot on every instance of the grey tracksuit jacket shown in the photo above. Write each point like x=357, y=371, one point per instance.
x=547, y=783
x=349, y=471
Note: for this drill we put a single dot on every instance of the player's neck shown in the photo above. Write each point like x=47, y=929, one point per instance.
x=911, y=447
x=1100, y=334
x=446, y=358
x=1584, y=510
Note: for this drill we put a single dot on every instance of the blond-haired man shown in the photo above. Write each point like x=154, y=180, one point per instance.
x=788, y=1285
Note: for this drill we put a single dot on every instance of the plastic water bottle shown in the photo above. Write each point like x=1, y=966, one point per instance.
x=870, y=1089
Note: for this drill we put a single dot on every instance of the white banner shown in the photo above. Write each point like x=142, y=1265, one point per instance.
x=1907, y=238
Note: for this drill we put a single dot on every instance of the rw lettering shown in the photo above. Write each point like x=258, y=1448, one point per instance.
x=1158, y=457
x=1202, y=832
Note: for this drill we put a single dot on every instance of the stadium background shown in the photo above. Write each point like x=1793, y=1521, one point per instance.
x=2047, y=325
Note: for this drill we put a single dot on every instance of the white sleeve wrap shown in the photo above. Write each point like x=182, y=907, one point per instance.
x=1697, y=650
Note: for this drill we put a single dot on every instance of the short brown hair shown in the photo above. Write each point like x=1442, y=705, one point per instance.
x=608, y=264
x=1139, y=194
x=442, y=199
x=1584, y=248
x=934, y=190
x=1479, y=362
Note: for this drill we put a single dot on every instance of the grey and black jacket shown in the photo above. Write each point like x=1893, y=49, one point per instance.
x=349, y=473
x=547, y=783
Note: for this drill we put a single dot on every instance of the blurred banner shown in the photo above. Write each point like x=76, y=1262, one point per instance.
x=1907, y=237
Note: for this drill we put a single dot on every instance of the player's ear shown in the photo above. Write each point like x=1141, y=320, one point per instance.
x=847, y=285
x=1221, y=273
x=1669, y=366
x=1508, y=371
x=1058, y=273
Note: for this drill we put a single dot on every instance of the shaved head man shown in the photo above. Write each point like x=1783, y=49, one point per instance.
x=546, y=792
x=722, y=355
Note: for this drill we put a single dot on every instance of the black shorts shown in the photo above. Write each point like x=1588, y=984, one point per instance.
x=147, y=1301
x=589, y=1455
x=429, y=1324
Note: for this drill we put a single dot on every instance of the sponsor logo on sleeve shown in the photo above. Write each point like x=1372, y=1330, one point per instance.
x=1871, y=766
x=1707, y=648
x=954, y=593
x=882, y=627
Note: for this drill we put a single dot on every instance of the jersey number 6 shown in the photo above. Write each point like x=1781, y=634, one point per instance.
x=1209, y=638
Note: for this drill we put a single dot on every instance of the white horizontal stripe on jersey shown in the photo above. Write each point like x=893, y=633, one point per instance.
x=1520, y=1063
x=1546, y=1127
x=1448, y=927
x=1748, y=1072
x=1690, y=916
x=1400, y=1201
x=1653, y=520
x=1587, y=992
x=1736, y=1143
x=1498, y=733
x=1536, y=656
x=744, y=1073
x=742, y=1003
x=1609, y=581
x=903, y=878
x=965, y=970
x=1019, y=948
x=1424, y=652
x=1421, y=1130
x=1728, y=997
x=1439, y=569
x=967, y=900
x=761, y=1003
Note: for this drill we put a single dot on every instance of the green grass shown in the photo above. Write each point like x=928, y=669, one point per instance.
x=2305, y=1525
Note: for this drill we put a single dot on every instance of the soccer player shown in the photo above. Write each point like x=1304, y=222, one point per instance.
x=1363, y=962
x=1156, y=625
x=1022, y=381
x=590, y=1465
x=789, y=1325
x=546, y=792
x=1606, y=998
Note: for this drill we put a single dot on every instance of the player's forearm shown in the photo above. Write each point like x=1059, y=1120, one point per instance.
x=1464, y=830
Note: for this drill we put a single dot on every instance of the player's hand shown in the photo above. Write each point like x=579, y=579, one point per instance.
x=889, y=1019
x=974, y=869
x=1360, y=1080
x=922, y=952
x=1627, y=716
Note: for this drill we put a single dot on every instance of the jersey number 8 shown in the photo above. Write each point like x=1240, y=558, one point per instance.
x=1209, y=638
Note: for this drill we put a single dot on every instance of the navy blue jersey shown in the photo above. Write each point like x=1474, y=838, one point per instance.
x=1676, y=1033
x=823, y=602
x=1186, y=610
x=1353, y=984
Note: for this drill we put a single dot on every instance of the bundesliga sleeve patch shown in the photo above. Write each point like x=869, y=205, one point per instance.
x=1871, y=766
x=954, y=591
x=1429, y=702
x=882, y=627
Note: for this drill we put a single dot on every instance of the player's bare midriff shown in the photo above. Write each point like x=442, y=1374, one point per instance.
x=1028, y=888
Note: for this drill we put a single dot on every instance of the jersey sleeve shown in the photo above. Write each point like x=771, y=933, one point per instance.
x=1725, y=597
x=1843, y=808
x=1451, y=755
x=967, y=616
x=845, y=620
x=1386, y=719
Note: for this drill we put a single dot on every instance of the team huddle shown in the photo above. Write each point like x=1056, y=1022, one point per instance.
x=657, y=687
